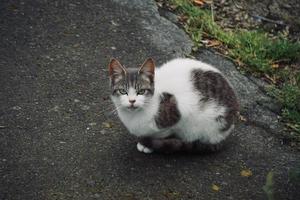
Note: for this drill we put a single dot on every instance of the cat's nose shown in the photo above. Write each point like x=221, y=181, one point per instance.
x=132, y=101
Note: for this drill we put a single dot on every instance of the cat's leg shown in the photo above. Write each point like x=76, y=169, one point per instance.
x=142, y=148
x=162, y=145
x=172, y=145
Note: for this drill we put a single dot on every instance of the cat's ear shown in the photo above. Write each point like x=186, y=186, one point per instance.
x=115, y=68
x=148, y=67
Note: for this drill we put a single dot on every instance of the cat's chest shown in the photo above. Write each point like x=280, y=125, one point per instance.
x=140, y=124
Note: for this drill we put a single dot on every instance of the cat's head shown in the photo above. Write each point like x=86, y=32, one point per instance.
x=131, y=88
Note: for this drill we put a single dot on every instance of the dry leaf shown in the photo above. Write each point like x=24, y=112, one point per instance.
x=213, y=43
x=242, y=118
x=107, y=124
x=199, y=2
x=202, y=2
x=215, y=188
x=246, y=173
x=275, y=65
x=208, y=1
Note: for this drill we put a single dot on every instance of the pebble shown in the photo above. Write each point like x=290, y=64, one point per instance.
x=85, y=107
x=16, y=108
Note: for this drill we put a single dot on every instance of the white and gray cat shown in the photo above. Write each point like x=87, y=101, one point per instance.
x=184, y=105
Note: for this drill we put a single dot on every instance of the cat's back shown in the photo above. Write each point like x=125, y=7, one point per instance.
x=176, y=75
x=205, y=99
x=181, y=65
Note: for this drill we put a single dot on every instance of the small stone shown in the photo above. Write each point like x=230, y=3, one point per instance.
x=56, y=108
x=16, y=108
x=85, y=107
x=93, y=124
x=113, y=48
x=96, y=195
x=76, y=100
x=91, y=183
x=114, y=23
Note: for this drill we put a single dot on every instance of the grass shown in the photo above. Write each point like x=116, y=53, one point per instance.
x=254, y=51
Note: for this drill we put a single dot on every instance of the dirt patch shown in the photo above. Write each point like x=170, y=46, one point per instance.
x=273, y=16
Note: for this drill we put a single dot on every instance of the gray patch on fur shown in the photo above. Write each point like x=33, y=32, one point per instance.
x=213, y=86
x=168, y=113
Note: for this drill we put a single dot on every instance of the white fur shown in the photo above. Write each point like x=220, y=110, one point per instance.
x=197, y=122
x=143, y=149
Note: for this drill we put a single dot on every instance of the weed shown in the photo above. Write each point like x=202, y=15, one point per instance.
x=256, y=52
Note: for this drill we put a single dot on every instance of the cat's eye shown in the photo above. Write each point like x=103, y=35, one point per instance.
x=141, y=92
x=122, y=91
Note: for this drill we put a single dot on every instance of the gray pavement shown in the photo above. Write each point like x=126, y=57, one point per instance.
x=58, y=137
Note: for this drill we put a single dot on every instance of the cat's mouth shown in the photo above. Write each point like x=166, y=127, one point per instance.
x=132, y=107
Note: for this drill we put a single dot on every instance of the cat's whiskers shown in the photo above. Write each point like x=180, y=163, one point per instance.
x=111, y=106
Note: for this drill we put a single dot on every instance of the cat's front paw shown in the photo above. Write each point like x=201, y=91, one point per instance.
x=143, y=149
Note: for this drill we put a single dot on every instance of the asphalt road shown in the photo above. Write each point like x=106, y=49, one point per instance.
x=58, y=136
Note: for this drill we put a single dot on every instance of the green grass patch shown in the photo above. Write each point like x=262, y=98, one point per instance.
x=255, y=51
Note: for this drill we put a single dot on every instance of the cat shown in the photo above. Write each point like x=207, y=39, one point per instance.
x=184, y=105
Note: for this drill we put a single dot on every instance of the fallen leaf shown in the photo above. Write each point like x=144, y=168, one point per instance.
x=246, y=173
x=275, y=65
x=107, y=124
x=199, y=2
x=202, y=2
x=208, y=1
x=213, y=43
x=242, y=118
x=215, y=188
